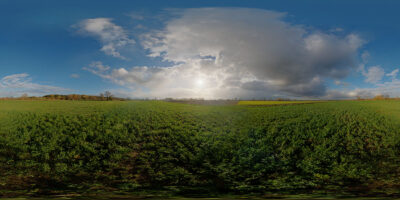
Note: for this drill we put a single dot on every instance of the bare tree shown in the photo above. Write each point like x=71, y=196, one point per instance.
x=24, y=96
x=108, y=95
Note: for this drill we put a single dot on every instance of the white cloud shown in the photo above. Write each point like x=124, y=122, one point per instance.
x=341, y=83
x=391, y=88
x=393, y=74
x=238, y=52
x=374, y=74
x=177, y=81
x=112, y=36
x=347, y=94
x=18, y=84
x=354, y=93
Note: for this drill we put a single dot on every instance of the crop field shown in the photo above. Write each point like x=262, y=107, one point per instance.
x=50, y=147
x=272, y=103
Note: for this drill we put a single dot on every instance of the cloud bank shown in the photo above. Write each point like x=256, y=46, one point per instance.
x=373, y=75
x=17, y=84
x=237, y=52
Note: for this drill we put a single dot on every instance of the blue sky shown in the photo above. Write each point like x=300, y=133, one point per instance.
x=138, y=48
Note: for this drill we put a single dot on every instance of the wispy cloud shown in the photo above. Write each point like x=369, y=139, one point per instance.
x=18, y=84
x=393, y=74
x=98, y=68
x=112, y=37
x=74, y=76
x=341, y=83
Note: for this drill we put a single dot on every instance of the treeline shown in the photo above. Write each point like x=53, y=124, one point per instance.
x=107, y=96
x=379, y=97
x=82, y=97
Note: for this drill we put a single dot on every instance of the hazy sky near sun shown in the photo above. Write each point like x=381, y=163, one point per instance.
x=209, y=49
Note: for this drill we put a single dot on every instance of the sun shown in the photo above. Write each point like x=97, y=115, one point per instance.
x=199, y=82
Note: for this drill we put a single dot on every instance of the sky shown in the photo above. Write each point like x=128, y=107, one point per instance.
x=200, y=49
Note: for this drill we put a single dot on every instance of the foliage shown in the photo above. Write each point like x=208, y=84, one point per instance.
x=151, y=144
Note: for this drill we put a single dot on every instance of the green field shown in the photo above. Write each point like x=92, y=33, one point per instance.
x=272, y=103
x=55, y=147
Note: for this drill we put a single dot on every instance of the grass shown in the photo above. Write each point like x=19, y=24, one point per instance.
x=388, y=108
x=54, y=106
x=11, y=108
x=128, y=146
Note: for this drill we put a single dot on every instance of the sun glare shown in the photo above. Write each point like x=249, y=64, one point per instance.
x=199, y=82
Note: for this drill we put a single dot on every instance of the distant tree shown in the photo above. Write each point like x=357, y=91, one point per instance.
x=108, y=95
x=381, y=97
x=24, y=96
